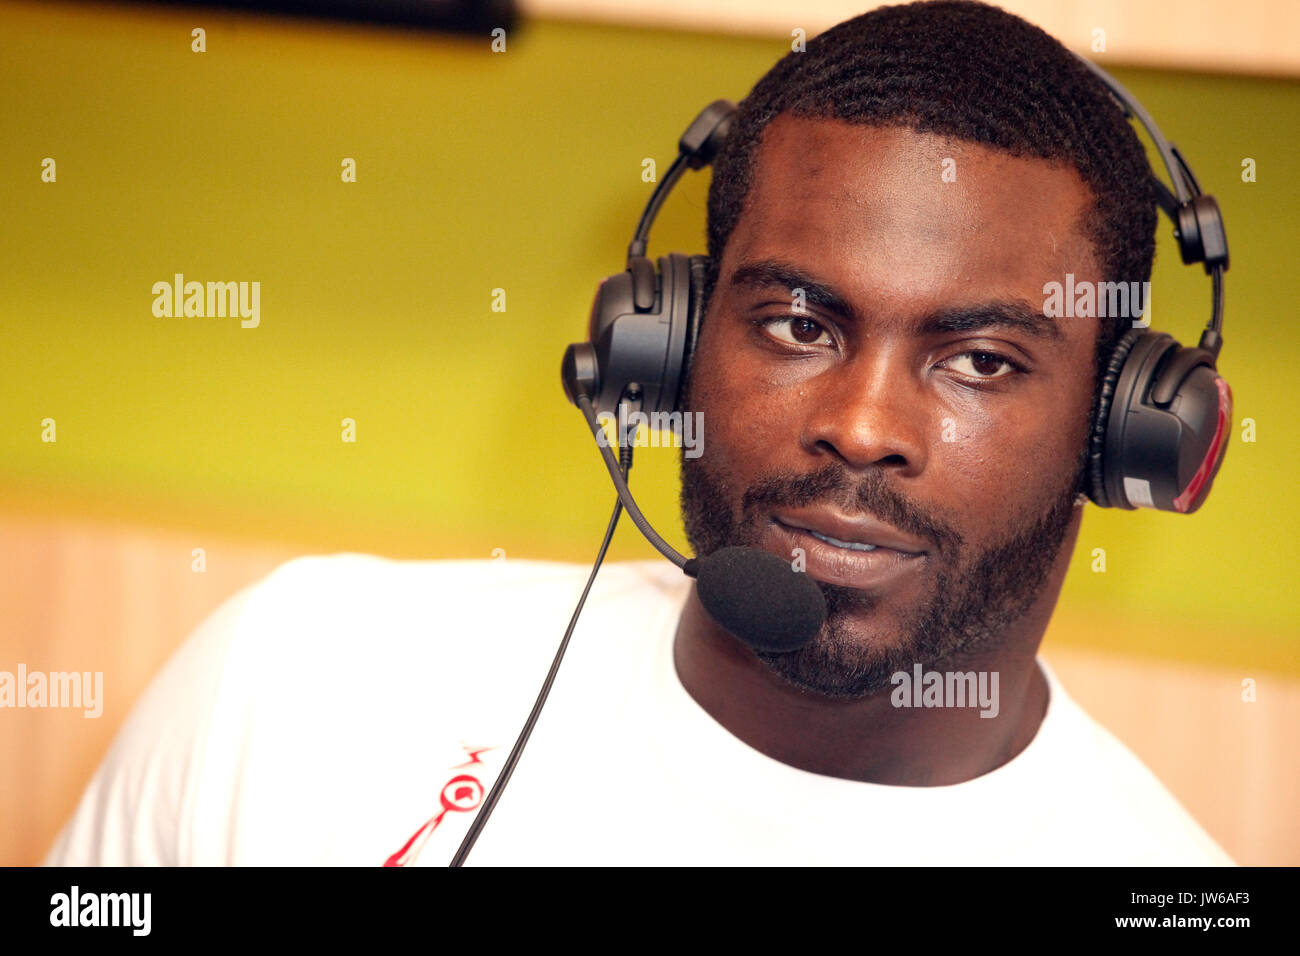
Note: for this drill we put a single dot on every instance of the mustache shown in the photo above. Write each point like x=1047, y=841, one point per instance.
x=870, y=493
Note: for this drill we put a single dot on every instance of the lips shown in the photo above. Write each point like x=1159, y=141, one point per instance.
x=863, y=534
x=860, y=553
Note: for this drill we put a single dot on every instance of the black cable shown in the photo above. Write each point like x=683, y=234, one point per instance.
x=481, y=818
x=620, y=482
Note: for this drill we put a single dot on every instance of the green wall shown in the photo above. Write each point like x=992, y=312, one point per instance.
x=479, y=171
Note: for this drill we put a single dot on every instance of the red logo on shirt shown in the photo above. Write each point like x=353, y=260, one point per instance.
x=461, y=794
x=473, y=756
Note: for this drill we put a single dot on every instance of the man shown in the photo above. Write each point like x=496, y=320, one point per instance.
x=886, y=404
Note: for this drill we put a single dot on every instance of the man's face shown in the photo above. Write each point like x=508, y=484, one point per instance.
x=913, y=395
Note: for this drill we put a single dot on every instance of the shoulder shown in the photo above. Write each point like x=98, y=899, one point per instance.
x=360, y=583
x=332, y=603
x=134, y=809
x=323, y=652
x=1135, y=817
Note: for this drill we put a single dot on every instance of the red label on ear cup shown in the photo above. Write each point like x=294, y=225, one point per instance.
x=1208, y=463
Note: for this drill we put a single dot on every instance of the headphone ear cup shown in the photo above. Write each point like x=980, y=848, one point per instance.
x=638, y=334
x=1163, y=426
x=1101, y=416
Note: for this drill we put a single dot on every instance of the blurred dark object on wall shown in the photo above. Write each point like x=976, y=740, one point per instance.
x=456, y=16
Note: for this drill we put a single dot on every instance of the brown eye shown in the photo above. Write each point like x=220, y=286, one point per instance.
x=797, y=330
x=982, y=365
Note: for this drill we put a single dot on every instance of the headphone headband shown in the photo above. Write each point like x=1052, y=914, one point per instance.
x=1198, y=224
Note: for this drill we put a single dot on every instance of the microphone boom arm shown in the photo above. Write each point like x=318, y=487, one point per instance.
x=688, y=565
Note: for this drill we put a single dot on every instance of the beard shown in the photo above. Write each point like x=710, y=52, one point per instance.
x=976, y=594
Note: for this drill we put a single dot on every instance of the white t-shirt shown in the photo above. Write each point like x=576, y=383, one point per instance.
x=339, y=711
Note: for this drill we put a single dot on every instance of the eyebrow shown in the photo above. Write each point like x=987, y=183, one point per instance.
x=1009, y=314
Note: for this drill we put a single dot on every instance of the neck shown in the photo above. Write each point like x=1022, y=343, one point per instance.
x=869, y=738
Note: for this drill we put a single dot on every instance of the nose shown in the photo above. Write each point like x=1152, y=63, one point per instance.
x=868, y=411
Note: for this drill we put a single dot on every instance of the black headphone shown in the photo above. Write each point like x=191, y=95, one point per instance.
x=1161, y=422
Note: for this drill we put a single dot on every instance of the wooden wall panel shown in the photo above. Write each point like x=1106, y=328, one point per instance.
x=1235, y=36
x=82, y=596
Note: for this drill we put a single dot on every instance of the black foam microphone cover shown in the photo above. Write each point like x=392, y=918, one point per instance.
x=760, y=599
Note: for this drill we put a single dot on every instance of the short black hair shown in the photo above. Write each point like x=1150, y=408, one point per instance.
x=971, y=71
